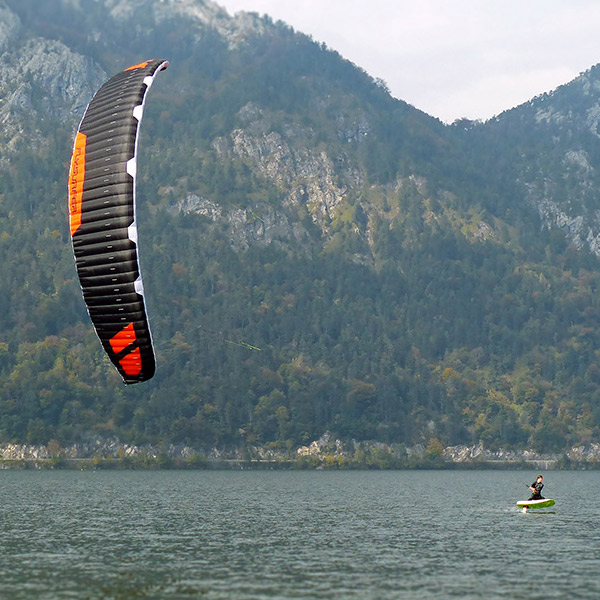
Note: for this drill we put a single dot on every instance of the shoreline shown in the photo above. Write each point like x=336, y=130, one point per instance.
x=202, y=463
x=326, y=453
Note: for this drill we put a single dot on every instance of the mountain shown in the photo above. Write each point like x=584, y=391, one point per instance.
x=551, y=143
x=317, y=255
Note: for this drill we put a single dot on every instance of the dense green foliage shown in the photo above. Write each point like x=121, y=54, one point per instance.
x=429, y=303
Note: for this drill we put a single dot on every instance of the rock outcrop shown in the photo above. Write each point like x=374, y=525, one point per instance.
x=40, y=79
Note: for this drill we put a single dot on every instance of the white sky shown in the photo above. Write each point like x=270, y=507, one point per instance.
x=452, y=58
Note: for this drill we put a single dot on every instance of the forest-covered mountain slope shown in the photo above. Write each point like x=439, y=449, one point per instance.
x=317, y=255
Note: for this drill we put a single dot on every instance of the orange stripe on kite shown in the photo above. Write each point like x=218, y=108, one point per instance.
x=132, y=363
x=76, y=177
x=124, y=338
x=138, y=66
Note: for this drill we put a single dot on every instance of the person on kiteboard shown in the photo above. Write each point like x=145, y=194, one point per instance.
x=536, y=489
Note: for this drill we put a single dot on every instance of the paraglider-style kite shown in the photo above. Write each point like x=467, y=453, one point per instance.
x=102, y=219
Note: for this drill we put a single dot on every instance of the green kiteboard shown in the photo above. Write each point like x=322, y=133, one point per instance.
x=526, y=505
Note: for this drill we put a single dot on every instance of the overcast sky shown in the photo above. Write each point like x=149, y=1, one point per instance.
x=452, y=58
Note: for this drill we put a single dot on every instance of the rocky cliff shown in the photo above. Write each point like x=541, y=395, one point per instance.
x=41, y=80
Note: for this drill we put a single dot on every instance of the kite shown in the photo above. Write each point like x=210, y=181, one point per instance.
x=102, y=218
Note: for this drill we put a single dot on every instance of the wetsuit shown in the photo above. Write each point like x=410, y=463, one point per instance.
x=537, y=495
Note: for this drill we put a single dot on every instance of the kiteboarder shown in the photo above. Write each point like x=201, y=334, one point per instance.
x=536, y=489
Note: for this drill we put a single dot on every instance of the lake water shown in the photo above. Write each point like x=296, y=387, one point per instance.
x=308, y=534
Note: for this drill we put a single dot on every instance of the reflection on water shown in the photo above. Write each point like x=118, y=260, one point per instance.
x=240, y=534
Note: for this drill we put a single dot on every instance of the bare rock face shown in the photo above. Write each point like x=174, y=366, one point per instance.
x=40, y=79
x=65, y=81
x=202, y=12
x=309, y=176
x=575, y=209
x=10, y=25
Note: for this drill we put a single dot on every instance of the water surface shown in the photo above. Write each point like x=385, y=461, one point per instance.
x=273, y=534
